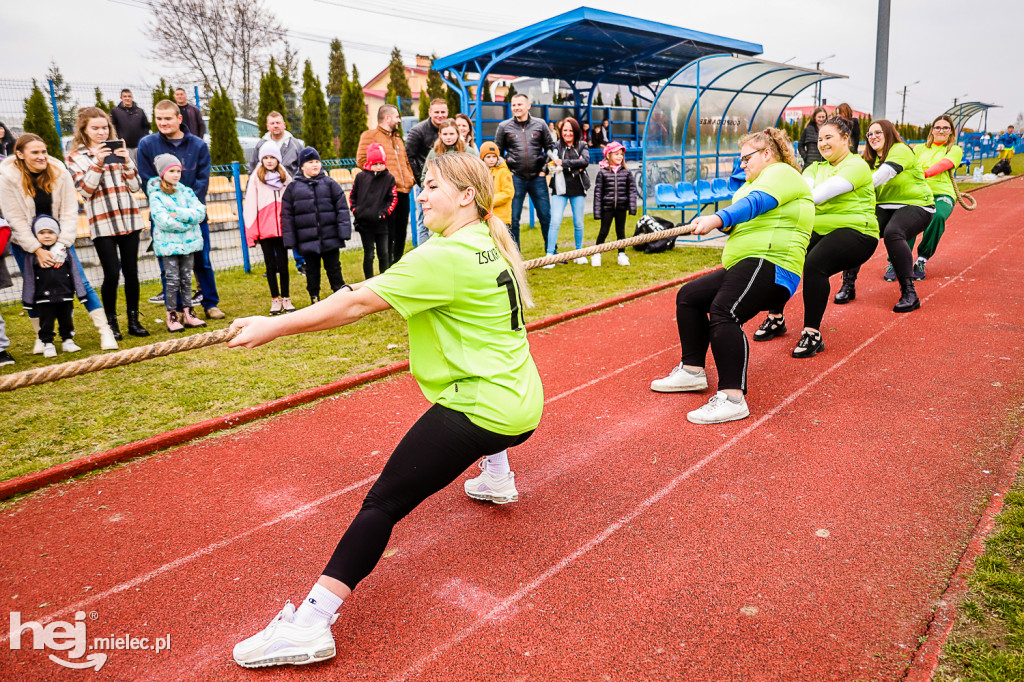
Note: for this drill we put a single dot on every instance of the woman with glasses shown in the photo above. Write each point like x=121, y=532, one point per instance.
x=904, y=207
x=845, y=231
x=939, y=157
x=768, y=226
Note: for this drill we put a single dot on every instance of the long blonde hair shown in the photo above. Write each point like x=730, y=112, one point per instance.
x=463, y=171
x=777, y=143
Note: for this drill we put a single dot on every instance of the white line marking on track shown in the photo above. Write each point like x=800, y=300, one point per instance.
x=513, y=599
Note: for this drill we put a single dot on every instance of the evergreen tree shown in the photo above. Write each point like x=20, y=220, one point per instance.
x=617, y=102
x=105, y=105
x=398, y=84
x=162, y=91
x=511, y=92
x=289, y=63
x=435, y=84
x=353, y=117
x=62, y=93
x=39, y=120
x=224, y=145
x=315, y=125
x=424, y=111
x=452, y=95
x=600, y=100
x=487, y=96
x=271, y=96
x=337, y=79
x=556, y=97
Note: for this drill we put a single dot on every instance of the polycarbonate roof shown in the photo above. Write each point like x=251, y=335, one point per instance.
x=592, y=45
x=962, y=112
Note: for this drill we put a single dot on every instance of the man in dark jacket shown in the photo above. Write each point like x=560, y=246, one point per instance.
x=524, y=141
x=417, y=145
x=130, y=122
x=174, y=138
x=190, y=114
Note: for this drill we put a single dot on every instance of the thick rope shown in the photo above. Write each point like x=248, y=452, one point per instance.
x=965, y=200
x=95, y=363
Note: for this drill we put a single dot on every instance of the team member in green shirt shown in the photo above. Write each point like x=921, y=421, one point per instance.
x=904, y=207
x=769, y=224
x=939, y=157
x=845, y=231
x=462, y=293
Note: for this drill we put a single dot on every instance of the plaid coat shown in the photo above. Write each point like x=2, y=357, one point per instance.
x=106, y=192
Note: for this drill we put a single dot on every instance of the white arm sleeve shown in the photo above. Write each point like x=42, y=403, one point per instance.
x=884, y=174
x=830, y=189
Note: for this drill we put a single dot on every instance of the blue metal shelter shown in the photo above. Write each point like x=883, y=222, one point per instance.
x=965, y=111
x=585, y=46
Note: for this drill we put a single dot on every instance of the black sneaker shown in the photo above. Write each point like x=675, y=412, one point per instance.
x=770, y=328
x=6, y=358
x=919, y=269
x=890, y=273
x=158, y=299
x=197, y=298
x=301, y=269
x=810, y=344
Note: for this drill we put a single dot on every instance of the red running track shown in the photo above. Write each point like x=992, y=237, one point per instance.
x=813, y=540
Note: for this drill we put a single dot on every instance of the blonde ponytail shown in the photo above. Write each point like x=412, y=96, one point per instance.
x=777, y=143
x=463, y=171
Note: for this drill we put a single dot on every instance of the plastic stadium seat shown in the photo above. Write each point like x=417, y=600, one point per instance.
x=219, y=183
x=220, y=212
x=335, y=174
x=684, y=190
x=704, y=193
x=346, y=176
x=665, y=195
x=243, y=180
x=355, y=172
x=720, y=189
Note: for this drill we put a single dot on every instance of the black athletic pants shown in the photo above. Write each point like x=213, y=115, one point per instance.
x=896, y=226
x=276, y=258
x=378, y=242
x=117, y=254
x=332, y=264
x=61, y=313
x=839, y=250
x=619, y=215
x=398, y=225
x=712, y=309
x=436, y=450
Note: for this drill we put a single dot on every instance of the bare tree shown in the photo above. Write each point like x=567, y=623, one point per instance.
x=224, y=44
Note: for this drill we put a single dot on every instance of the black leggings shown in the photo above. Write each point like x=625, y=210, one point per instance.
x=436, y=450
x=276, y=258
x=398, y=225
x=619, y=215
x=711, y=310
x=332, y=264
x=827, y=255
x=119, y=254
x=372, y=241
x=896, y=226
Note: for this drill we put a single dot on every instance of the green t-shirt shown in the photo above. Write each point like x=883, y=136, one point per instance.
x=467, y=336
x=908, y=187
x=929, y=156
x=854, y=209
x=781, y=235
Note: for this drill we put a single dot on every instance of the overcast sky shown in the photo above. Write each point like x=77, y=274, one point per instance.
x=947, y=45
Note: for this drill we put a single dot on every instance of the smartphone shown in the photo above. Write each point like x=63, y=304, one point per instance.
x=112, y=145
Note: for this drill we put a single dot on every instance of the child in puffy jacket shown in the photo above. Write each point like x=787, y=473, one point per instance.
x=373, y=198
x=261, y=211
x=176, y=215
x=502, y=177
x=614, y=195
x=48, y=292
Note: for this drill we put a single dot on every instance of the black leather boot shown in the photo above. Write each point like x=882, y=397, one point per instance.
x=848, y=291
x=112, y=321
x=908, y=297
x=134, y=328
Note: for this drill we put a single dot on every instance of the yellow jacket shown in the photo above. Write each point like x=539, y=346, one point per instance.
x=503, y=191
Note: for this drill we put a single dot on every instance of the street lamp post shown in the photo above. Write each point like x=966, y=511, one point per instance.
x=817, y=86
x=903, y=107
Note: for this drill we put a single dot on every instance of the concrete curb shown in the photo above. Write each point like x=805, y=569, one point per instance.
x=169, y=439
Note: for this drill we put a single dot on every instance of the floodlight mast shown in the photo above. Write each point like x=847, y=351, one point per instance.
x=881, y=59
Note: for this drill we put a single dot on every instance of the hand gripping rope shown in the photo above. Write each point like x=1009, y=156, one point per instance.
x=65, y=370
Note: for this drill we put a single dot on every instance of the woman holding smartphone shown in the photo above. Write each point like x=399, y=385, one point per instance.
x=105, y=178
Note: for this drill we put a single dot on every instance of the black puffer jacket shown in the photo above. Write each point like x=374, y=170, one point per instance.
x=614, y=191
x=809, y=145
x=524, y=145
x=314, y=215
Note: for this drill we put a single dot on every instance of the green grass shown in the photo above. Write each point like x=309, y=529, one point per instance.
x=57, y=422
x=1016, y=165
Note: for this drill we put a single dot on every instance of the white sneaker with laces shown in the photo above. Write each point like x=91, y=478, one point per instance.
x=679, y=380
x=49, y=350
x=549, y=266
x=37, y=349
x=719, y=409
x=70, y=346
x=595, y=260
x=582, y=260
x=491, y=489
x=284, y=643
x=623, y=259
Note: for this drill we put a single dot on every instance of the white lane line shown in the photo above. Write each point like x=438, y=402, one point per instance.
x=510, y=601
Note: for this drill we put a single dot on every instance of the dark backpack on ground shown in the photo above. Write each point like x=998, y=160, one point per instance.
x=1002, y=167
x=648, y=224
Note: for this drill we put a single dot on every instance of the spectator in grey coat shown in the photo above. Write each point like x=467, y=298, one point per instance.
x=289, y=145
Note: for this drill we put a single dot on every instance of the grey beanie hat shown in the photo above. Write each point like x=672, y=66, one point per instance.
x=43, y=222
x=164, y=161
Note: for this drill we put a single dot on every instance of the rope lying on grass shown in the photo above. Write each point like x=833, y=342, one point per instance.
x=95, y=363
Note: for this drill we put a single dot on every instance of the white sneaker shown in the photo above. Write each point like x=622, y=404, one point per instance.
x=284, y=643
x=595, y=260
x=679, y=380
x=37, y=349
x=491, y=489
x=582, y=260
x=70, y=346
x=623, y=259
x=719, y=409
x=549, y=266
x=49, y=350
